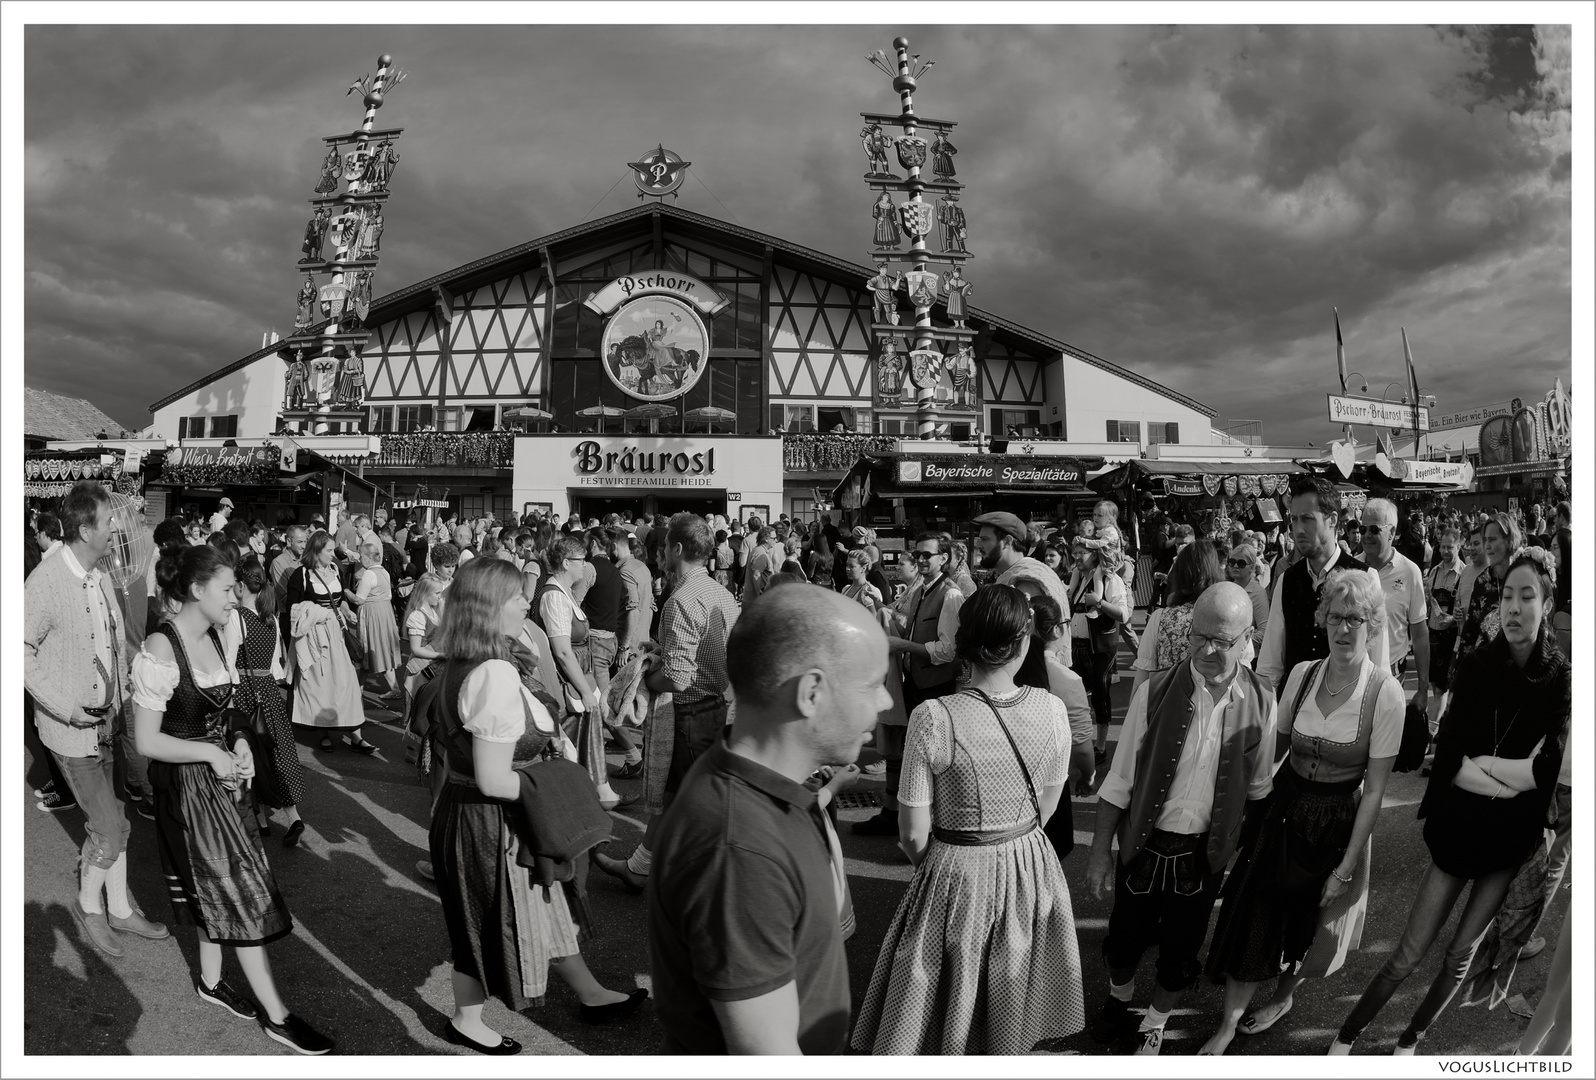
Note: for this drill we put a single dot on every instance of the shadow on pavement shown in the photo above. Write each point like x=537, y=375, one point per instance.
x=91, y=1011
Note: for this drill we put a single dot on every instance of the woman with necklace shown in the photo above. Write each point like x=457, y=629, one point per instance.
x=981, y=956
x=1501, y=541
x=1294, y=904
x=326, y=688
x=200, y=752
x=1496, y=762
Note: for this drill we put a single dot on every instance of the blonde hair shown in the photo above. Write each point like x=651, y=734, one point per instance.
x=428, y=588
x=469, y=630
x=1359, y=590
x=372, y=549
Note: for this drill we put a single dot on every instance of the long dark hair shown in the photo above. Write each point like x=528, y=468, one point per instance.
x=1196, y=568
x=993, y=626
x=1046, y=617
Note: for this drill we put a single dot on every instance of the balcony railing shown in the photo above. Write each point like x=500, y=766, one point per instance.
x=829, y=452
x=421, y=449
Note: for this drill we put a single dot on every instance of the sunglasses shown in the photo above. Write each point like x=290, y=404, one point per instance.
x=1237, y=564
x=918, y=556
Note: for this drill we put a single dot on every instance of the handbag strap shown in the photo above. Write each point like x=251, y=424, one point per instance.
x=1024, y=770
x=1302, y=694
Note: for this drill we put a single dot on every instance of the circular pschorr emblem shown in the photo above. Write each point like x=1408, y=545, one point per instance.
x=655, y=348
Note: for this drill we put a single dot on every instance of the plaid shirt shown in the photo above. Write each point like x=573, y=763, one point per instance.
x=693, y=627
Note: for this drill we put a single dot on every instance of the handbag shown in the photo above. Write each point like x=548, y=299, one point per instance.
x=352, y=643
x=1415, y=739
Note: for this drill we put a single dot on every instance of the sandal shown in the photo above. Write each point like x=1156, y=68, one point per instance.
x=1262, y=1019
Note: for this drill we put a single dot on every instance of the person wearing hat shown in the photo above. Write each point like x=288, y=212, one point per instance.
x=1000, y=544
x=224, y=510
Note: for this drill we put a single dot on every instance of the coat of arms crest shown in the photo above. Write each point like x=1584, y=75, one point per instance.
x=911, y=151
x=921, y=286
x=925, y=367
x=916, y=218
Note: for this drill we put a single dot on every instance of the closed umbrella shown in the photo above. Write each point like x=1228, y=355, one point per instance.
x=652, y=411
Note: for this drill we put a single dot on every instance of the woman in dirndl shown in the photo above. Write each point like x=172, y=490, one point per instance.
x=326, y=687
x=280, y=778
x=504, y=935
x=1294, y=904
x=981, y=956
x=199, y=746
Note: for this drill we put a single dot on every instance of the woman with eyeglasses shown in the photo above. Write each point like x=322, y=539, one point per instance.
x=1295, y=901
x=1497, y=759
x=1165, y=639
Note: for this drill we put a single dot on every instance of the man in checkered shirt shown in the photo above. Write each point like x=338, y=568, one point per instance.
x=689, y=664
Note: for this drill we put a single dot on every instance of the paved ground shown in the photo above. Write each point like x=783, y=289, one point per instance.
x=367, y=961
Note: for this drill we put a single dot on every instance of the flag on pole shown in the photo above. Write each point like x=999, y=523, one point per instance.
x=1341, y=353
x=1413, y=388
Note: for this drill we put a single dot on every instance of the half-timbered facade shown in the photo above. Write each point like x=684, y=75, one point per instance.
x=789, y=354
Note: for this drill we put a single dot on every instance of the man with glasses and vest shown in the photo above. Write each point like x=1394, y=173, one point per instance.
x=923, y=637
x=1194, y=758
x=1292, y=637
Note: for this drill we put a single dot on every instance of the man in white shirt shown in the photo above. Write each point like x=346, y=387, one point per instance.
x=224, y=510
x=1292, y=636
x=1177, y=830
x=1407, y=627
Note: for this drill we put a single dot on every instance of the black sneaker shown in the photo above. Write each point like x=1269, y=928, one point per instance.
x=54, y=803
x=228, y=998
x=1110, y=1020
x=629, y=771
x=297, y=1035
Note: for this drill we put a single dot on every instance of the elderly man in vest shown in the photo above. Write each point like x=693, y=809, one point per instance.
x=926, y=620
x=1195, y=753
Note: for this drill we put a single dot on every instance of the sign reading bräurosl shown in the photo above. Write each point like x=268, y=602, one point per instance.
x=1375, y=413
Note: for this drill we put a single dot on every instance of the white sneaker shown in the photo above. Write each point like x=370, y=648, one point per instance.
x=1339, y=1048
x=875, y=768
x=1152, y=1041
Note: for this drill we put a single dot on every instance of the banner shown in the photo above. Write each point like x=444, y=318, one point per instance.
x=990, y=470
x=1181, y=485
x=1470, y=417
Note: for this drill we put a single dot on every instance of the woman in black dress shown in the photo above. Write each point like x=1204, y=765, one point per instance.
x=504, y=935
x=1496, y=762
x=199, y=746
x=280, y=779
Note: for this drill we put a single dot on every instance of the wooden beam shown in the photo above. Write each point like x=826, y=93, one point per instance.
x=767, y=355
x=659, y=241
x=443, y=314
x=546, y=340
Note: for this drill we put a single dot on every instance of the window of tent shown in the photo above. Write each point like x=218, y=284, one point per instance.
x=224, y=427
x=792, y=417
x=381, y=419
x=412, y=417
x=473, y=507
x=1124, y=431
x=1025, y=423
x=1163, y=433
x=832, y=419
x=891, y=425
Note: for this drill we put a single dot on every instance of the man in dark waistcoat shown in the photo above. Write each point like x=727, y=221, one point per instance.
x=1291, y=636
x=1195, y=753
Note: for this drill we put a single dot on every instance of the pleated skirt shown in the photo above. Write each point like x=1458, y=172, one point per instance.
x=981, y=956
x=503, y=931
x=217, y=877
x=379, y=636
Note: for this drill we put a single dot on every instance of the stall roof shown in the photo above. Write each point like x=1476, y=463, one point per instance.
x=1137, y=468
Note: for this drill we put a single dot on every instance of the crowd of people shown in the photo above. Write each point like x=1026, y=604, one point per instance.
x=739, y=670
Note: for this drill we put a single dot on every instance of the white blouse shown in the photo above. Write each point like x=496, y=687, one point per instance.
x=495, y=706
x=1341, y=726
x=155, y=681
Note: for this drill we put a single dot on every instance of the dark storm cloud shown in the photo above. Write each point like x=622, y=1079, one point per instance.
x=1186, y=201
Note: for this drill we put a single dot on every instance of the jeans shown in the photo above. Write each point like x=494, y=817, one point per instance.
x=1095, y=669
x=598, y=654
x=135, y=767
x=1438, y=894
x=90, y=779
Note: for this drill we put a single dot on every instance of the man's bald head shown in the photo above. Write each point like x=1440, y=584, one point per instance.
x=1223, y=610
x=786, y=632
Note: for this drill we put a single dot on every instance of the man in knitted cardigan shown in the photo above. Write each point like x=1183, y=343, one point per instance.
x=75, y=666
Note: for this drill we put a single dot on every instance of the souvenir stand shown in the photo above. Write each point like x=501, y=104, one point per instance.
x=278, y=482
x=49, y=474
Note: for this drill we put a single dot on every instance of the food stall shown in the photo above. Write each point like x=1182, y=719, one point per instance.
x=277, y=481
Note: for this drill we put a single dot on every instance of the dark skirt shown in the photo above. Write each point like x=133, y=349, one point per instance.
x=216, y=872
x=1443, y=644
x=279, y=775
x=1271, y=898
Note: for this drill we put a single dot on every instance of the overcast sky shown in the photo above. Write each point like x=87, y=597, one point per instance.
x=1188, y=202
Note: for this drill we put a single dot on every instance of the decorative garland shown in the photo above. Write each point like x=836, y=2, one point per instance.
x=491, y=448
x=213, y=473
x=828, y=452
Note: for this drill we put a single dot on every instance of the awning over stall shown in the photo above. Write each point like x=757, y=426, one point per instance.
x=1198, y=477
x=910, y=476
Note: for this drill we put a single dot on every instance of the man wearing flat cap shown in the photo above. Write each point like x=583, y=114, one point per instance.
x=224, y=510
x=1000, y=545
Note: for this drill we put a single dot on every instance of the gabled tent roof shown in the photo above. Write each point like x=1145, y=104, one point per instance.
x=491, y=267
x=54, y=416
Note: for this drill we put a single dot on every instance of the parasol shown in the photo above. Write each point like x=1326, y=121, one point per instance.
x=601, y=410
x=652, y=411
x=711, y=414
x=527, y=412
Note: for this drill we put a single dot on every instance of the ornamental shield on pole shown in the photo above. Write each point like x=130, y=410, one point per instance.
x=916, y=218
x=334, y=300
x=921, y=286
x=911, y=151
x=925, y=367
x=355, y=164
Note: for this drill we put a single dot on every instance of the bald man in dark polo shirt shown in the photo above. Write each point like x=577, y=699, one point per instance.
x=744, y=936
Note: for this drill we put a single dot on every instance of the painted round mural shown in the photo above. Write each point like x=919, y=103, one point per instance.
x=656, y=348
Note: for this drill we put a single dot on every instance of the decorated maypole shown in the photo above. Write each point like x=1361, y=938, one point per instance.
x=325, y=383
x=936, y=350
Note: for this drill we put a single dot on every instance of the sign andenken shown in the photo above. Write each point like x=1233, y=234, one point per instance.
x=684, y=287
x=988, y=470
x=632, y=466
x=1182, y=485
x=1375, y=413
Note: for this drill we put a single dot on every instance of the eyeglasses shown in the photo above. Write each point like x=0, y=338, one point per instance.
x=1203, y=641
x=1351, y=622
x=1366, y=529
x=1237, y=564
x=917, y=556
